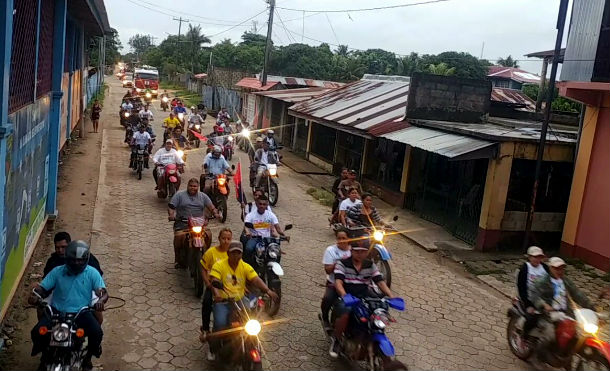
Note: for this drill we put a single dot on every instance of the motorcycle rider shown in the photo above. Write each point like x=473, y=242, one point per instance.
x=127, y=105
x=180, y=140
x=189, y=202
x=72, y=285
x=265, y=222
x=252, y=150
x=223, y=114
x=348, y=183
x=333, y=253
x=555, y=292
x=140, y=138
x=195, y=119
x=215, y=164
x=352, y=200
x=262, y=156
x=145, y=113
x=271, y=139
x=165, y=156
x=354, y=276
x=233, y=274
x=211, y=256
x=335, y=188
x=170, y=124
x=217, y=137
x=530, y=272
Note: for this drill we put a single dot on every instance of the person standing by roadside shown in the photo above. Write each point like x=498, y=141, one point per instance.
x=95, y=115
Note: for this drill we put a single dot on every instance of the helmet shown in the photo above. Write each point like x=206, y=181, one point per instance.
x=77, y=256
x=192, y=107
x=220, y=129
x=216, y=151
x=270, y=132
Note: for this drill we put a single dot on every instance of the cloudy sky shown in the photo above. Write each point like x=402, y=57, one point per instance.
x=495, y=27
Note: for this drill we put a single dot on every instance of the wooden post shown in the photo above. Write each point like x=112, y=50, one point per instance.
x=545, y=64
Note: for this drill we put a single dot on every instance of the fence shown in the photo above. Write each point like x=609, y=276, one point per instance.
x=93, y=85
x=217, y=97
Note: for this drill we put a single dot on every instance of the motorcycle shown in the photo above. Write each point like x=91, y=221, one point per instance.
x=140, y=160
x=365, y=338
x=268, y=181
x=164, y=103
x=191, y=137
x=197, y=241
x=124, y=117
x=148, y=97
x=219, y=192
x=577, y=346
x=228, y=148
x=67, y=348
x=240, y=346
x=266, y=262
x=169, y=180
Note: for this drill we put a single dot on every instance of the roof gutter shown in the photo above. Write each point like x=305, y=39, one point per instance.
x=331, y=124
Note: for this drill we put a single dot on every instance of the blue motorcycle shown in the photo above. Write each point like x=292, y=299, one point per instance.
x=365, y=339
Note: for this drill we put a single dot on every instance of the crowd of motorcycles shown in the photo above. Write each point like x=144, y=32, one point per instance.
x=365, y=340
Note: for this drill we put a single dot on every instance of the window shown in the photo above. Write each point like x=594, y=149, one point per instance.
x=384, y=163
x=501, y=83
x=147, y=76
x=23, y=55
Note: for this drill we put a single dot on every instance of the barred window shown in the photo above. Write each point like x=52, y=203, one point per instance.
x=23, y=54
x=45, y=48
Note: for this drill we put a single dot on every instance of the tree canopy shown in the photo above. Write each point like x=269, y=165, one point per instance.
x=508, y=62
x=140, y=43
x=113, y=45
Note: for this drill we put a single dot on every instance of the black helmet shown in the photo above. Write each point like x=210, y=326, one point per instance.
x=77, y=256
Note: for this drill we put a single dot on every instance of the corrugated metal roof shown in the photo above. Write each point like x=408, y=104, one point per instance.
x=293, y=95
x=200, y=76
x=304, y=82
x=255, y=84
x=512, y=96
x=445, y=144
x=361, y=104
x=513, y=73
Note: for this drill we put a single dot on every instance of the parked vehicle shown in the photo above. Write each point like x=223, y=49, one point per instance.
x=365, y=338
x=242, y=348
x=266, y=262
x=169, y=180
x=577, y=346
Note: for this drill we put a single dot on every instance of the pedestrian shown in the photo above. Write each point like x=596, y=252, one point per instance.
x=95, y=114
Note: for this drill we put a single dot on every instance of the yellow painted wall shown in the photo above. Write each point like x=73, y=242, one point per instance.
x=496, y=188
x=405, y=169
x=552, y=152
x=580, y=175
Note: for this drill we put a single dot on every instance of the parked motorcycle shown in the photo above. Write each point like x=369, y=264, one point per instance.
x=164, y=103
x=241, y=347
x=577, y=345
x=169, y=180
x=228, y=148
x=266, y=262
x=197, y=241
x=67, y=348
x=365, y=338
x=219, y=192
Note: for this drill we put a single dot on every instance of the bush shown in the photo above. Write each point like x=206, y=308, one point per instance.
x=324, y=197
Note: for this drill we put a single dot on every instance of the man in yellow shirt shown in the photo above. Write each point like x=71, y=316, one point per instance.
x=170, y=124
x=212, y=255
x=233, y=273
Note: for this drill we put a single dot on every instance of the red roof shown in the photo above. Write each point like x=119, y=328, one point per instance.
x=513, y=73
x=254, y=84
x=200, y=76
x=512, y=96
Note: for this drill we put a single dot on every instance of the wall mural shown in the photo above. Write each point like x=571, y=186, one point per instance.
x=27, y=169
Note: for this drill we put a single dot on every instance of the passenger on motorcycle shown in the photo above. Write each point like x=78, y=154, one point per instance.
x=217, y=137
x=270, y=139
x=555, y=292
x=215, y=164
x=145, y=113
x=265, y=222
x=349, y=183
x=165, y=156
x=211, y=256
x=141, y=138
x=334, y=253
x=233, y=273
x=354, y=276
x=352, y=200
x=364, y=214
x=180, y=140
x=180, y=108
x=529, y=274
x=170, y=124
x=184, y=204
x=335, y=189
x=223, y=114
x=252, y=150
x=72, y=285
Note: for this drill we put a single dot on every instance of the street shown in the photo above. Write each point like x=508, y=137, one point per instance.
x=451, y=321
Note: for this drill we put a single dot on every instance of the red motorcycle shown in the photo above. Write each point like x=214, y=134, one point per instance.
x=168, y=179
x=228, y=149
x=198, y=240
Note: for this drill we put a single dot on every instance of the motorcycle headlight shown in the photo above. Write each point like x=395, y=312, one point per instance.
x=126, y=114
x=197, y=229
x=378, y=236
x=154, y=92
x=273, y=171
x=180, y=153
x=378, y=322
x=221, y=181
x=138, y=90
x=180, y=116
x=591, y=328
x=245, y=133
x=272, y=254
x=252, y=327
x=230, y=139
x=62, y=333
x=148, y=95
x=197, y=126
x=165, y=100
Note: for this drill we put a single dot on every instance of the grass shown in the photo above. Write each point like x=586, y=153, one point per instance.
x=189, y=98
x=324, y=197
x=482, y=272
x=100, y=95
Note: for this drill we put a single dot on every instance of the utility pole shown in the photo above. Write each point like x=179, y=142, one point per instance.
x=254, y=27
x=180, y=20
x=561, y=21
x=302, y=28
x=268, y=46
x=152, y=39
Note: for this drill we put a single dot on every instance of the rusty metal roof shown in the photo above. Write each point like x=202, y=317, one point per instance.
x=513, y=97
x=299, y=81
x=254, y=84
x=360, y=105
x=513, y=73
x=293, y=95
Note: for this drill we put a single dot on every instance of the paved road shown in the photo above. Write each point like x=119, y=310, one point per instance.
x=451, y=322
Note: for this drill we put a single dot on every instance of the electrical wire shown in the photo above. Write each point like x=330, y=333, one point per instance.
x=285, y=29
x=332, y=28
x=239, y=24
x=364, y=9
x=191, y=15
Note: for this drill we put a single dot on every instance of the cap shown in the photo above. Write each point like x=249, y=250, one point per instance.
x=270, y=131
x=169, y=141
x=353, y=172
x=192, y=107
x=236, y=245
x=535, y=251
x=556, y=262
x=361, y=244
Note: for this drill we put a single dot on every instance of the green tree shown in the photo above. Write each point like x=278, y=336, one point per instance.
x=140, y=43
x=508, y=62
x=342, y=50
x=379, y=61
x=253, y=39
x=465, y=64
x=559, y=104
x=113, y=47
x=441, y=69
x=194, y=41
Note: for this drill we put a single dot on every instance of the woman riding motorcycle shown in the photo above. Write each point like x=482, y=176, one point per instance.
x=364, y=214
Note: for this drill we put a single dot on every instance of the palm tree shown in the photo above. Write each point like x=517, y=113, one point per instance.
x=508, y=62
x=194, y=40
x=342, y=50
x=441, y=69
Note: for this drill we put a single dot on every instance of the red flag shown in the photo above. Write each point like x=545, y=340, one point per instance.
x=199, y=136
x=239, y=192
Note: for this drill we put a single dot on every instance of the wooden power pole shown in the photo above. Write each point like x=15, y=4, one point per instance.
x=268, y=46
x=180, y=20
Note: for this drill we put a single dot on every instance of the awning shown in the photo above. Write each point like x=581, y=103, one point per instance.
x=454, y=146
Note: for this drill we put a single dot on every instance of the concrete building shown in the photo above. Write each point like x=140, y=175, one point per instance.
x=586, y=78
x=45, y=86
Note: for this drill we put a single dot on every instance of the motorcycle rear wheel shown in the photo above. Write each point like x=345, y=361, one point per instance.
x=171, y=190
x=513, y=336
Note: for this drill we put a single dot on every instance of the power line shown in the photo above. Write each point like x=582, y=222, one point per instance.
x=332, y=28
x=239, y=24
x=186, y=13
x=365, y=9
x=290, y=36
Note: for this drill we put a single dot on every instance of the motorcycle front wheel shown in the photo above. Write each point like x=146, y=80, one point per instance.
x=171, y=189
x=222, y=208
x=594, y=361
x=274, y=193
x=139, y=170
x=515, y=341
x=272, y=307
x=198, y=279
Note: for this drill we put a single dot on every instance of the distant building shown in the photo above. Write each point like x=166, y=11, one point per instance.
x=510, y=77
x=585, y=78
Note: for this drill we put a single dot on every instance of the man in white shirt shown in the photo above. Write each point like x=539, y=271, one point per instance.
x=127, y=106
x=265, y=224
x=146, y=114
x=140, y=139
x=341, y=250
x=165, y=156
